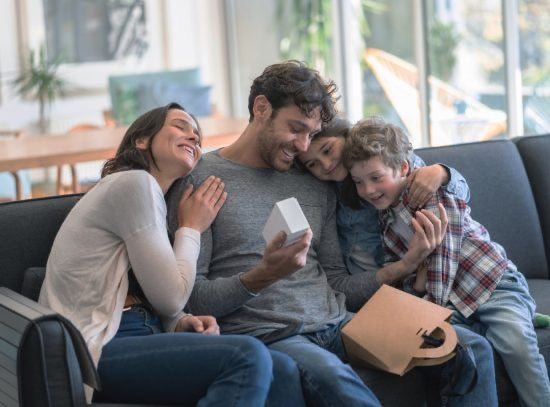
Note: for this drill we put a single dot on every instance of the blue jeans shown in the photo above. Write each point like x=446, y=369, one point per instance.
x=485, y=391
x=326, y=380
x=143, y=365
x=506, y=321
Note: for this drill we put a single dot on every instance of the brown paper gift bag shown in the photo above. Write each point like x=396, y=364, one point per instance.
x=387, y=332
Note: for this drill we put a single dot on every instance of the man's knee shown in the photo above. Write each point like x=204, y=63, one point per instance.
x=284, y=365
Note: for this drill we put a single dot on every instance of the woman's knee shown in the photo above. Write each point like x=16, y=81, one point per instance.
x=250, y=352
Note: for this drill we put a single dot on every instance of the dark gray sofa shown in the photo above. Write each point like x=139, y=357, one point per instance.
x=510, y=196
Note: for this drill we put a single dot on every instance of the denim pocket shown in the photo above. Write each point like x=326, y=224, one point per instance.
x=138, y=321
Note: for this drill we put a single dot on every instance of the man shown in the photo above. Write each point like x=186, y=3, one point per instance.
x=285, y=295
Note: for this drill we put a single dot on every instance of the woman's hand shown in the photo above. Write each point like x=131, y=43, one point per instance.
x=198, y=209
x=423, y=182
x=204, y=324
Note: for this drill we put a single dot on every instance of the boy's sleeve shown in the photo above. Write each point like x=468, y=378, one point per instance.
x=443, y=262
x=457, y=184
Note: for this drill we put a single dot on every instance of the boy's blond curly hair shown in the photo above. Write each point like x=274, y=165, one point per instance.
x=374, y=137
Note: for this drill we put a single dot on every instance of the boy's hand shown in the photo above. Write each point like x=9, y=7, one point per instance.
x=204, y=324
x=278, y=262
x=429, y=231
x=423, y=182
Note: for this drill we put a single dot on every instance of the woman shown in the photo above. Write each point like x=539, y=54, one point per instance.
x=113, y=272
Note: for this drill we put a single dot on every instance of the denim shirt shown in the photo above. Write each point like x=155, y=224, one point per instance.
x=360, y=228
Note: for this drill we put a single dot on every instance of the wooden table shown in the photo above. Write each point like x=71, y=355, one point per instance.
x=52, y=150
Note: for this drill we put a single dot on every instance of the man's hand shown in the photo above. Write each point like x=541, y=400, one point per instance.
x=429, y=231
x=423, y=182
x=278, y=262
x=204, y=324
x=419, y=285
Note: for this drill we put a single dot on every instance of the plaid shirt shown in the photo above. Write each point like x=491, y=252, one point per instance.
x=465, y=268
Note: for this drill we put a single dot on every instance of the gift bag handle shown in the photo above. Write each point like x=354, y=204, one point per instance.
x=441, y=351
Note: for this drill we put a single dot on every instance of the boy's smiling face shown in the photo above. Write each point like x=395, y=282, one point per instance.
x=377, y=183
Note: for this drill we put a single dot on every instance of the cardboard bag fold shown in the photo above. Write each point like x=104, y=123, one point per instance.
x=387, y=331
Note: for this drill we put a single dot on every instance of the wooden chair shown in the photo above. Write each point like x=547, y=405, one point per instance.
x=16, y=176
x=74, y=186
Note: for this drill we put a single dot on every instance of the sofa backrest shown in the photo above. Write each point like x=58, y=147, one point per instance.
x=535, y=152
x=501, y=198
x=27, y=232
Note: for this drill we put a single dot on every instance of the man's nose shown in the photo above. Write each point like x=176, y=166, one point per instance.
x=302, y=143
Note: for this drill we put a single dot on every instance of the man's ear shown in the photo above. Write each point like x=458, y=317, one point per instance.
x=261, y=108
x=404, y=168
x=142, y=143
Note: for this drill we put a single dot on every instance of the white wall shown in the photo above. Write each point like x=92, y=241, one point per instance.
x=182, y=34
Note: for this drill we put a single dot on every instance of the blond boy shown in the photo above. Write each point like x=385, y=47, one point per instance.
x=468, y=272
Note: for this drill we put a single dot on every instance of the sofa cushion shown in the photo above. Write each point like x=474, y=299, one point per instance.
x=501, y=198
x=27, y=231
x=32, y=282
x=540, y=290
x=535, y=152
x=194, y=99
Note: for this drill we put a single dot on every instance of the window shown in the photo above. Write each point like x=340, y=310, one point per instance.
x=534, y=38
x=466, y=71
x=80, y=31
x=264, y=32
x=390, y=80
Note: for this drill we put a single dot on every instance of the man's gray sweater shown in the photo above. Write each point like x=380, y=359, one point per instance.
x=234, y=244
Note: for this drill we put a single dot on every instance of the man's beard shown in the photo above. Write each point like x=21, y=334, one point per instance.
x=269, y=148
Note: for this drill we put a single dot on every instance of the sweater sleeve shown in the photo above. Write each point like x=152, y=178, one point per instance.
x=358, y=287
x=165, y=273
x=457, y=184
x=220, y=296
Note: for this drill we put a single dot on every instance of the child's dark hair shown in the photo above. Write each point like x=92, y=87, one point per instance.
x=292, y=82
x=370, y=138
x=337, y=127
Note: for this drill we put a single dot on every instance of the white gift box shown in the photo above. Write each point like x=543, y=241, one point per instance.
x=287, y=216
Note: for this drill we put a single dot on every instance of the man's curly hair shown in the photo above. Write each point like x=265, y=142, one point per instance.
x=292, y=82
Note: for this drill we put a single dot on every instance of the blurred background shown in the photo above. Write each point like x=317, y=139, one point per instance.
x=449, y=71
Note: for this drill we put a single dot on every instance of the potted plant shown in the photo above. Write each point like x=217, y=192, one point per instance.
x=40, y=81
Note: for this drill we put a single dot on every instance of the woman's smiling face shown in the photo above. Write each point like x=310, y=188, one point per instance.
x=324, y=158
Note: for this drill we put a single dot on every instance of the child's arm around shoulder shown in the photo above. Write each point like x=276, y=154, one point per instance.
x=426, y=180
